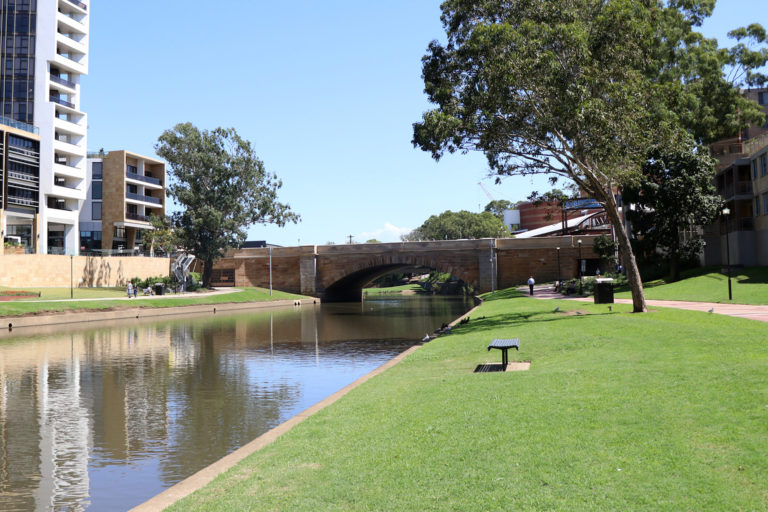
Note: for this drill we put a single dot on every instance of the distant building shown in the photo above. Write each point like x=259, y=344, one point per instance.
x=19, y=184
x=124, y=189
x=742, y=181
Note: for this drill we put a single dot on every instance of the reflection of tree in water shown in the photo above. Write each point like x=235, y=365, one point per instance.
x=217, y=405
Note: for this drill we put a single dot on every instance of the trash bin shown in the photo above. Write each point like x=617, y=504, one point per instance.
x=159, y=289
x=604, y=291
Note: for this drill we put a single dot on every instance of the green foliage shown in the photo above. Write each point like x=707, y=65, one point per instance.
x=581, y=89
x=459, y=225
x=162, y=238
x=605, y=247
x=674, y=196
x=222, y=188
x=497, y=207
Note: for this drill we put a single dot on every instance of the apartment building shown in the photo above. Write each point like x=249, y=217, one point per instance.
x=124, y=190
x=19, y=184
x=742, y=181
x=44, y=52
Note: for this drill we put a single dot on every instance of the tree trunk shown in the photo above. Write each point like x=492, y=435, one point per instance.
x=207, y=272
x=627, y=256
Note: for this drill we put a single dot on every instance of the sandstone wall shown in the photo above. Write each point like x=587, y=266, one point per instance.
x=48, y=270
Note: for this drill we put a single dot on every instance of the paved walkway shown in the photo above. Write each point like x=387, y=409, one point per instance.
x=739, y=310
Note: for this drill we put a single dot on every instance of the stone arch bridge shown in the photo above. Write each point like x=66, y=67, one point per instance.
x=337, y=273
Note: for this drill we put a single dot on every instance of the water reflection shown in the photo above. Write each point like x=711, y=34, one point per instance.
x=105, y=418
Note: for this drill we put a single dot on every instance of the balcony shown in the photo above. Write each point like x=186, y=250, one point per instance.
x=739, y=189
x=23, y=176
x=18, y=124
x=23, y=201
x=79, y=4
x=62, y=102
x=146, y=179
x=136, y=216
x=63, y=81
x=139, y=197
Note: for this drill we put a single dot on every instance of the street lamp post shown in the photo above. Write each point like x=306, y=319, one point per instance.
x=559, y=282
x=581, y=282
x=726, y=213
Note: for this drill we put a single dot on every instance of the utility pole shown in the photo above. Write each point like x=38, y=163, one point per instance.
x=350, y=238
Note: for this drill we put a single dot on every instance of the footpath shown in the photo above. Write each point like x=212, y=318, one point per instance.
x=738, y=310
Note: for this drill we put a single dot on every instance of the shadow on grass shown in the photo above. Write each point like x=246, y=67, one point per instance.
x=511, y=320
x=508, y=293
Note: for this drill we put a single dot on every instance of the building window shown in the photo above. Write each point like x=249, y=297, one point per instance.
x=119, y=232
x=97, y=170
x=96, y=211
x=762, y=98
x=763, y=164
x=96, y=190
x=765, y=204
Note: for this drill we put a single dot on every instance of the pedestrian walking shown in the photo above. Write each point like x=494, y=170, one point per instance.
x=129, y=289
x=135, y=291
x=531, y=282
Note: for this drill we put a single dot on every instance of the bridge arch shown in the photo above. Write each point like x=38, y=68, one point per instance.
x=349, y=287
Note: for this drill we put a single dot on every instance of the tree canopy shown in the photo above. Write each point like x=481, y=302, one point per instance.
x=221, y=187
x=675, y=196
x=497, y=207
x=581, y=89
x=459, y=225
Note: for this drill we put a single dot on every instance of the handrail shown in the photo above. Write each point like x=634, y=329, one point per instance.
x=139, y=197
x=19, y=124
x=139, y=177
x=63, y=81
x=79, y=4
x=60, y=101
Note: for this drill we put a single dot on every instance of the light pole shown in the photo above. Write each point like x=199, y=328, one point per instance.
x=559, y=283
x=581, y=282
x=726, y=213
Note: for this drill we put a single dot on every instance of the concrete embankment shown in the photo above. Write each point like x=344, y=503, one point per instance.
x=37, y=321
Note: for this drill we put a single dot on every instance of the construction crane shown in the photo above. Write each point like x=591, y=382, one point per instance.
x=486, y=191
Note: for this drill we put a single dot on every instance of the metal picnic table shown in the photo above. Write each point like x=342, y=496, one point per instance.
x=504, y=345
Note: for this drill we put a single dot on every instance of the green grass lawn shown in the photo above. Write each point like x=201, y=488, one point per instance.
x=79, y=293
x=666, y=410
x=393, y=289
x=709, y=285
x=21, y=307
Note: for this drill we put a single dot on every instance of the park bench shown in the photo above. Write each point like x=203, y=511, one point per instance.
x=504, y=345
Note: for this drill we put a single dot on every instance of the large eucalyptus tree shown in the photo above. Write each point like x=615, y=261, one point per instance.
x=580, y=90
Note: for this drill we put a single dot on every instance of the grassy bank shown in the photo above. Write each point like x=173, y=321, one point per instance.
x=709, y=285
x=404, y=288
x=18, y=307
x=660, y=411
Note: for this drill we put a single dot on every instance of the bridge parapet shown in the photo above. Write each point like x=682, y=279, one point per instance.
x=338, y=272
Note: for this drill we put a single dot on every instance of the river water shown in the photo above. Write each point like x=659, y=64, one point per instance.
x=105, y=418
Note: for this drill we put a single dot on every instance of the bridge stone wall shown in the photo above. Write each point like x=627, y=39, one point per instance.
x=338, y=272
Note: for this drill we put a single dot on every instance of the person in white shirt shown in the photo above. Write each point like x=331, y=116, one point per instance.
x=531, y=282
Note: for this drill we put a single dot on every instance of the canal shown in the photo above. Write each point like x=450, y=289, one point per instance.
x=105, y=418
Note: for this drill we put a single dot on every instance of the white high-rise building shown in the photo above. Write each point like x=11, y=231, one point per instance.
x=45, y=54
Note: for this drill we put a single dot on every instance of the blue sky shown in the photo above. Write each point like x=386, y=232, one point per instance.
x=327, y=92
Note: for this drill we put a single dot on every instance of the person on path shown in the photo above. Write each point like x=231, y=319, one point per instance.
x=135, y=291
x=129, y=289
x=531, y=282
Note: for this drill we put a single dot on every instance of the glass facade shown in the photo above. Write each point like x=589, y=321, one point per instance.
x=18, y=20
